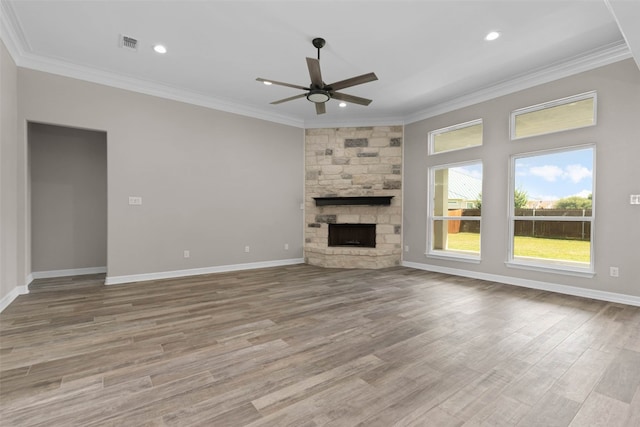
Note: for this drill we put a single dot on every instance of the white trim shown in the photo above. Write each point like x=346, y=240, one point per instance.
x=332, y=122
x=450, y=255
x=443, y=253
x=431, y=136
x=10, y=32
x=532, y=284
x=67, y=69
x=512, y=218
x=13, y=294
x=116, y=280
x=70, y=272
x=551, y=104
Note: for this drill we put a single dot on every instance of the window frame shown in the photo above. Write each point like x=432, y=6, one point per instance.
x=550, y=104
x=431, y=136
x=431, y=218
x=542, y=264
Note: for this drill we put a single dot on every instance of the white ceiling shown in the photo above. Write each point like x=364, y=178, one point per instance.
x=429, y=56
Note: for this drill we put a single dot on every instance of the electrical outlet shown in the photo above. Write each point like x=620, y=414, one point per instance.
x=186, y=254
x=246, y=249
x=614, y=272
x=634, y=199
x=286, y=246
x=406, y=248
x=135, y=200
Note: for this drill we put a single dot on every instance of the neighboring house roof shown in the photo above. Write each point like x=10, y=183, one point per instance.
x=463, y=186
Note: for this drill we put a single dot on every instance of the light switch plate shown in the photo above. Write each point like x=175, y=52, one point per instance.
x=634, y=199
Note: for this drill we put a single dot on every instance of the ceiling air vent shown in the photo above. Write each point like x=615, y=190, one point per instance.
x=128, y=42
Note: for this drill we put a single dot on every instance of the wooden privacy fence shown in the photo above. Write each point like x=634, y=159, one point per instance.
x=575, y=230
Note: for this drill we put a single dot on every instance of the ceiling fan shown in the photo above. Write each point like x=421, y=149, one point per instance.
x=318, y=92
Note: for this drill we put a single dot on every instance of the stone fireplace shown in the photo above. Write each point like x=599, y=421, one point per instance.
x=353, y=204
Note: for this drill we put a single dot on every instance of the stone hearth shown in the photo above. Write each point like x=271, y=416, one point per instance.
x=353, y=162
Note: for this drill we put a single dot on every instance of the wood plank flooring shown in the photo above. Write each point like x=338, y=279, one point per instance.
x=306, y=346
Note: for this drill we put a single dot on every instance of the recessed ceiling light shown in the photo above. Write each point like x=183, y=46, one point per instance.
x=492, y=36
x=342, y=104
x=160, y=48
x=267, y=83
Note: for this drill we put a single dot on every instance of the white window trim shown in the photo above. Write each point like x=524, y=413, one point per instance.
x=550, y=104
x=440, y=253
x=540, y=264
x=435, y=132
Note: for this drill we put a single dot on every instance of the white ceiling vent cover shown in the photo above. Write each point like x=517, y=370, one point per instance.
x=127, y=42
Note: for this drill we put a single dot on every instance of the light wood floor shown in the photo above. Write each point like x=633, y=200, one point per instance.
x=305, y=346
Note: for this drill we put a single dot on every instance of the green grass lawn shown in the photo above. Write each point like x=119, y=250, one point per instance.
x=534, y=247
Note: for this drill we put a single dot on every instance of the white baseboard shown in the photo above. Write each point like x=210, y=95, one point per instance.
x=8, y=299
x=63, y=273
x=116, y=280
x=533, y=284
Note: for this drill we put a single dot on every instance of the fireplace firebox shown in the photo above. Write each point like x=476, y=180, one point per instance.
x=356, y=235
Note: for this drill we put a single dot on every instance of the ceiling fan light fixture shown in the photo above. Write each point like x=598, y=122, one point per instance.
x=318, y=96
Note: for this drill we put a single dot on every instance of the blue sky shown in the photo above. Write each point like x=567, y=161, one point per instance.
x=556, y=175
x=550, y=176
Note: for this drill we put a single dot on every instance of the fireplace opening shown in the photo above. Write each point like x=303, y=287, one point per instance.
x=355, y=235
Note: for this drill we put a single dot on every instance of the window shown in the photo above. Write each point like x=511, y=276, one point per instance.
x=455, y=203
x=457, y=137
x=552, y=210
x=554, y=116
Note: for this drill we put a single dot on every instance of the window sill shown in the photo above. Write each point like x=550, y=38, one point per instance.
x=552, y=268
x=453, y=256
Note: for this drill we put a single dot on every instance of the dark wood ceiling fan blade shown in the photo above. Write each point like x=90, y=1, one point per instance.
x=314, y=72
x=282, y=84
x=350, y=98
x=353, y=81
x=320, y=108
x=302, y=95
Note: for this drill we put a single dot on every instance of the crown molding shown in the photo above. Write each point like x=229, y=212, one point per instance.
x=330, y=122
x=107, y=78
x=596, y=58
x=19, y=48
x=11, y=32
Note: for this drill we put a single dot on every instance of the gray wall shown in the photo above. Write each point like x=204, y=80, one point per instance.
x=9, y=277
x=68, y=197
x=211, y=182
x=617, y=224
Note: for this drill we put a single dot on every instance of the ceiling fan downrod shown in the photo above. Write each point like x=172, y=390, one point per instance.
x=318, y=43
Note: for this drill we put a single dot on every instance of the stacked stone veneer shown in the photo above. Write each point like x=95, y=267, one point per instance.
x=363, y=161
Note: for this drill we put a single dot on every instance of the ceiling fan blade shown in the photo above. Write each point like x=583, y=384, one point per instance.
x=282, y=84
x=320, y=108
x=353, y=81
x=302, y=95
x=314, y=72
x=350, y=98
